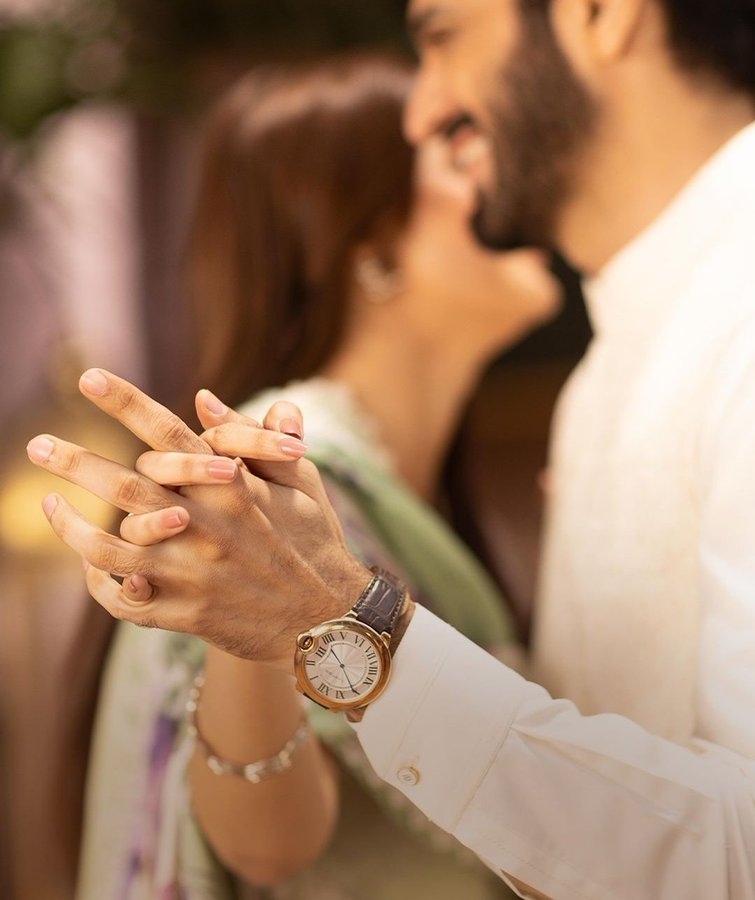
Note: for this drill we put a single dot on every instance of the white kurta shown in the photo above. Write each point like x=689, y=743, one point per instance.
x=646, y=620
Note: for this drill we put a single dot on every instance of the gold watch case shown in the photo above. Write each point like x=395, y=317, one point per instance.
x=308, y=645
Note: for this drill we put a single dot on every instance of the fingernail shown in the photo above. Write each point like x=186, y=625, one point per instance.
x=49, y=504
x=94, y=382
x=40, y=449
x=212, y=404
x=291, y=427
x=176, y=518
x=222, y=469
x=136, y=584
x=292, y=447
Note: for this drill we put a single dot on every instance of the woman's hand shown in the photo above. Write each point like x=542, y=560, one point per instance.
x=261, y=558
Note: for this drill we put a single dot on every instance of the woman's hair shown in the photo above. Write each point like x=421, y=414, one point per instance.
x=303, y=164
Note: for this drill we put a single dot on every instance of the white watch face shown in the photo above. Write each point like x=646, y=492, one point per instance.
x=343, y=667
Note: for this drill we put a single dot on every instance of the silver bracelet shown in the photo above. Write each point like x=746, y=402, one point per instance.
x=255, y=771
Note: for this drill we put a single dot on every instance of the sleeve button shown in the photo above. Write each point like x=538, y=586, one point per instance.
x=408, y=775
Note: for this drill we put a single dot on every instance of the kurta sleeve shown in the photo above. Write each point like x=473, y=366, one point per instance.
x=573, y=806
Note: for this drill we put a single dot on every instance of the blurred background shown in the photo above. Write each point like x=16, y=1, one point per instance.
x=100, y=103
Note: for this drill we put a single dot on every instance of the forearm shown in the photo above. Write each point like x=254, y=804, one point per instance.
x=265, y=831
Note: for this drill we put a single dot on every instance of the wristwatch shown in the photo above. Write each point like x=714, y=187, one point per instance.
x=345, y=663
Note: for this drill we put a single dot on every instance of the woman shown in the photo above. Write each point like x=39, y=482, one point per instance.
x=327, y=256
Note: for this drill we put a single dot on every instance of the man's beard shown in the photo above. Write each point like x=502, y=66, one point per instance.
x=536, y=142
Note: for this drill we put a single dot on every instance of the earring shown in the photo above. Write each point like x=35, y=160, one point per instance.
x=379, y=283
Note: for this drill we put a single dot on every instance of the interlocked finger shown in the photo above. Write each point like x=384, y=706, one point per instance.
x=266, y=441
x=112, y=482
x=121, y=601
x=286, y=417
x=249, y=442
x=212, y=412
x=153, y=527
x=186, y=468
x=148, y=420
x=100, y=549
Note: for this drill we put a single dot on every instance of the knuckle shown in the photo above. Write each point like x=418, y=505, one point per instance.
x=219, y=547
x=170, y=431
x=130, y=490
x=123, y=400
x=225, y=434
x=67, y=459
x=106, y=558
x=246, y=495
x=109, y=557
x=59, y=523
x=308, y=475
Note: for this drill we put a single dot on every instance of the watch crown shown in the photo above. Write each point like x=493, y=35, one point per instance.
x=305, y=641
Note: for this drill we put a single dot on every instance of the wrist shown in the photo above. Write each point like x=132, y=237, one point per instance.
x=346, y=589
x=344, y=663
x=254, y=772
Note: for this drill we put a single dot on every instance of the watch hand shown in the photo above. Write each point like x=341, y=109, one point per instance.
x=348, y=679
x=337, y=659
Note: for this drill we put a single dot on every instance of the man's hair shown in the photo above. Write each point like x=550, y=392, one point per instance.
x=717, y=36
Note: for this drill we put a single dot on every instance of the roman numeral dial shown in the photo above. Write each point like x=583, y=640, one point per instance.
x=345, y=663
x=343, y=666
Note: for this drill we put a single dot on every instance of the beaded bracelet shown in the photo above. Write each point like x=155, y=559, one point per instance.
x=253, y=772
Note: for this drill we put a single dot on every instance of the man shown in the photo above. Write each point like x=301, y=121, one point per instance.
x=622, y=134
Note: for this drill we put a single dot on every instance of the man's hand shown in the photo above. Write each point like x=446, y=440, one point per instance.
x=253, y=562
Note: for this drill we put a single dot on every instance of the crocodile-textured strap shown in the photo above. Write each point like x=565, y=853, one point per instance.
x=381, y=602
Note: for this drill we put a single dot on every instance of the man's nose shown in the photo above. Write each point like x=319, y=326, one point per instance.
x=427, y=109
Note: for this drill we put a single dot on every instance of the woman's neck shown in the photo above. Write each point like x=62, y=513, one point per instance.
x=414, y=385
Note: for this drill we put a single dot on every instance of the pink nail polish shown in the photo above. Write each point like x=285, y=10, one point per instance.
x=49, y=504
x=222, y=469
x=138, y=584
x=291, y=427
x=175, y=518
x=292, y=447
x=40, y=449
x=94, y=382
x=212, y=404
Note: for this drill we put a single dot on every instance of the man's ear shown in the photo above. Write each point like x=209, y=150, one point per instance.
x=611, y=26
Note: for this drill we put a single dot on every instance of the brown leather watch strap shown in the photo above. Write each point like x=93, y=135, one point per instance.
x=381, y=602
